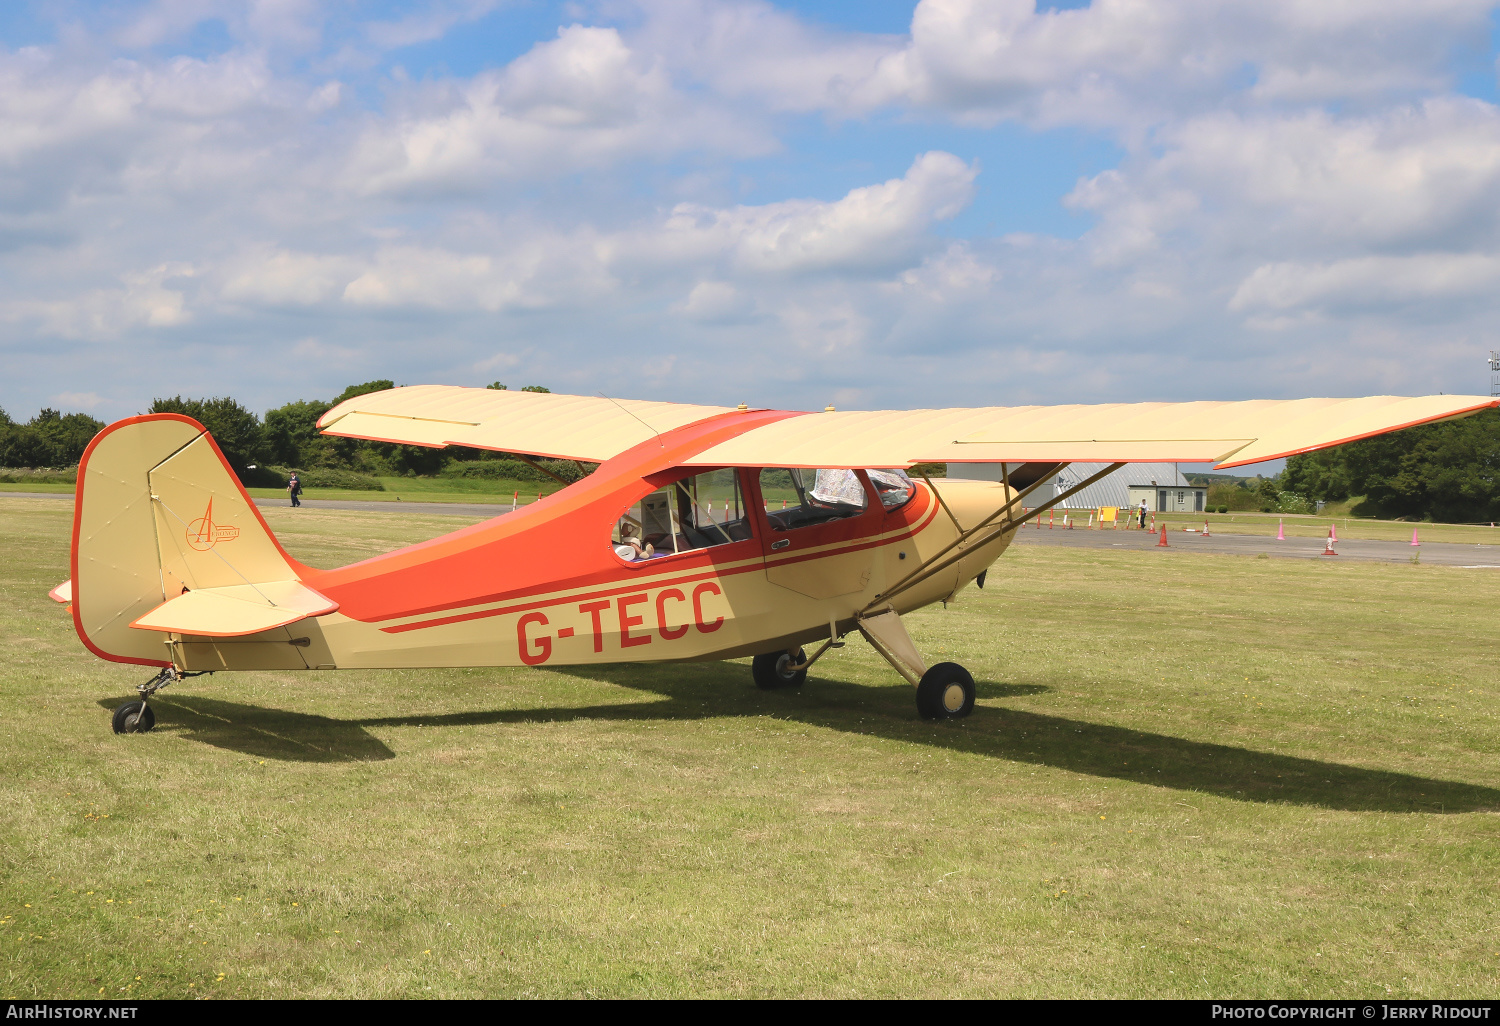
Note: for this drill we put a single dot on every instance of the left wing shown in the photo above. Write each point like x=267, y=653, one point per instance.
x=570, y=427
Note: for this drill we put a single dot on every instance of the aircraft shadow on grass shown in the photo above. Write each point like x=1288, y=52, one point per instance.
x=705, y=691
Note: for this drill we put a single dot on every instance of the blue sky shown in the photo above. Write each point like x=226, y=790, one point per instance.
x=875, y=204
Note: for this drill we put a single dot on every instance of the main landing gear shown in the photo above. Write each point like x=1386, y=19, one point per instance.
x=775, y=670
x=944, y=691
x=136, y=717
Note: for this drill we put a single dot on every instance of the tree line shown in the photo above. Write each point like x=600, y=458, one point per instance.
x=259, y=449
x=1448, y=472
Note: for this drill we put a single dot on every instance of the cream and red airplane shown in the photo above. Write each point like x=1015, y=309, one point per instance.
x=705, y=533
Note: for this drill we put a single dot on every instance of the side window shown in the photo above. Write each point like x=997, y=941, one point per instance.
x=894, y=486
x=800, y=498
x=694, y=512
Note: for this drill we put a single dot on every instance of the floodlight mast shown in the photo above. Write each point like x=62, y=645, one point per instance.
x=1494, y=373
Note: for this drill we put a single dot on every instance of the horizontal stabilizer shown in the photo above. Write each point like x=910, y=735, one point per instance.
x=236, y=610
x=63, y=592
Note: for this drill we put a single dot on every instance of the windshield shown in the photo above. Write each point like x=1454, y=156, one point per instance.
x=799, y=498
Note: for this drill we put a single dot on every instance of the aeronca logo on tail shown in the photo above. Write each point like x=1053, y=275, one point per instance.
x=203, y=534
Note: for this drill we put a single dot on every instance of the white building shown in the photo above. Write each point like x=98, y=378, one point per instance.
x=1161, y=485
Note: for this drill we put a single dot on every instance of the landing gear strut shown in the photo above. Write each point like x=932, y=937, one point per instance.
x=136, y=717
x=944, y=692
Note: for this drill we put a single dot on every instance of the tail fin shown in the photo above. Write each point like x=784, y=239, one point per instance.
x=160, y=517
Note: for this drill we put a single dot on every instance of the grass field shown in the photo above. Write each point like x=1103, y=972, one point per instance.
x=1220, y=776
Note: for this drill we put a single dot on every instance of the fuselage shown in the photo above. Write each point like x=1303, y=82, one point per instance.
x=546, y=585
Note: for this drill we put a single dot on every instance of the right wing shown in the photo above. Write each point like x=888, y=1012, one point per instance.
x=1231, y=434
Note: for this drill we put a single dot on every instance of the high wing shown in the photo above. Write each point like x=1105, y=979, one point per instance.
x=572, y=427
x=1231, y=434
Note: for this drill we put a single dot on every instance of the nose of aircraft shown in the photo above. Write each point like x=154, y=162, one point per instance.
x=972, y=501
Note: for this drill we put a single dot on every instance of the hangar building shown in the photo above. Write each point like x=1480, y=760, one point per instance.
x=1160, y=484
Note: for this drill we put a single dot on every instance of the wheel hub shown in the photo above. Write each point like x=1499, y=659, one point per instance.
x=953, y=698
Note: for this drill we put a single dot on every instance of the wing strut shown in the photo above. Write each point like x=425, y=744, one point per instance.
x=942, y=559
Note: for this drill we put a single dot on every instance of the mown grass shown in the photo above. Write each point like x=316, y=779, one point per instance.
x=1217, y=776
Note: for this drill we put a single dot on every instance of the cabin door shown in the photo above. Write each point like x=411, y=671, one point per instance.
x=815, y=522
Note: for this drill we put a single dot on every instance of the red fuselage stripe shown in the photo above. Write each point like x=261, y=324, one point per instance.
x=627, y=587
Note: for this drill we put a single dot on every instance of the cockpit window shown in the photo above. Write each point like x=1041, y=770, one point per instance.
x=894, y=486
x=695, y=512
x=800, y=498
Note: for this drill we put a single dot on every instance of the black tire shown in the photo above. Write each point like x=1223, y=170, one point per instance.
x=946, y=692
x=134, y=718
x=769, y=671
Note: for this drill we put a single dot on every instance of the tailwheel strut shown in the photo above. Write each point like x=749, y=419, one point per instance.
x=136, y=717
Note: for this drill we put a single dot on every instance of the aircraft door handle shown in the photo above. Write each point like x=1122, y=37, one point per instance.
x=775, y=545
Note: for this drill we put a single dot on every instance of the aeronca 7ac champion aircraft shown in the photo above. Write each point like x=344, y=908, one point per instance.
x=706, y=533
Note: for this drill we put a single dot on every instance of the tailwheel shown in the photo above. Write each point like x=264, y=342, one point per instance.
x=134, y=718
x=946, y=692
x=773, y=670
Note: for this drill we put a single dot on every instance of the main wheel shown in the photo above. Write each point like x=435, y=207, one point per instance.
x=946, y=692
x=134, y=718
x=770, y=670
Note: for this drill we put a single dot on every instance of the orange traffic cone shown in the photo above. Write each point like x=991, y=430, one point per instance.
x=1162, y=544
x=1333, y=531
x=1414, y=537
x=1328, y=545
x=1280, y=531
x=1205, y=530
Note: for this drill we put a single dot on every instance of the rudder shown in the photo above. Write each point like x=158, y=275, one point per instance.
x=159, y=512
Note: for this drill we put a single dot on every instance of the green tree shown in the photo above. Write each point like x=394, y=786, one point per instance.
x=499, y=386
x=50, y=439
x=1319, y=475
x=537, y=388
x=1448, y=471
x=1267, y=493
x=291, y=435
x=236, y=430
x=369, y=386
